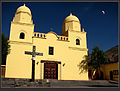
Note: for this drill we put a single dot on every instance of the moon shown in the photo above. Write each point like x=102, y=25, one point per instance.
x=103, y=11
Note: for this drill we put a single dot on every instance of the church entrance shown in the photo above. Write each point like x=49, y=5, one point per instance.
x=50, y=71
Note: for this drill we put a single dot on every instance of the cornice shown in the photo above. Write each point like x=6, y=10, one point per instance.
x=24, y=12
x=63, y=40
x=80, y=49
x=19, y=42
x=57, y=39
x=77, y=31
x=72, y=21
x=22, y=23
x=38, y=37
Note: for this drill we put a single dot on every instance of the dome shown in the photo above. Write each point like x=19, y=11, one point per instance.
x=23, y=9
x=71, y=18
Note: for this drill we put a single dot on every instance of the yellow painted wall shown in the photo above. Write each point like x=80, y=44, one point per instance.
x=19, y=64
x=110, y=67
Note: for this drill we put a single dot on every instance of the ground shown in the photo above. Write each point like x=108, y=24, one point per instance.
x=26, y=83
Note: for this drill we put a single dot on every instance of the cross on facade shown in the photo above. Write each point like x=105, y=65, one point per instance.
x=33, y=53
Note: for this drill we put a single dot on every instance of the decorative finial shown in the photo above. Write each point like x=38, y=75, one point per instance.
x=24, y=4
x=70, y=13
x=83, y=30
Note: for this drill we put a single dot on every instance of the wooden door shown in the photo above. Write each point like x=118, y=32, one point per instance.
x=111, y=75
x=50, y=71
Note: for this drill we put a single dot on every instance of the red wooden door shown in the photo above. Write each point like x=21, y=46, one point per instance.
x=50, y=71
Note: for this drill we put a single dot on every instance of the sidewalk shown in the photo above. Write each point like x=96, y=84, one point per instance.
x=26, y=83
x=115, y=82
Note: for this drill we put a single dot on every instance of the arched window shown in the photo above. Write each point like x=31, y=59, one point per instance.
x=37, y=35
x=22, y=35
x=41, y=35
x=77, y=42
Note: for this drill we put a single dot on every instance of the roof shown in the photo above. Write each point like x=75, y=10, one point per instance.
x=23, y=9
x=71, y=18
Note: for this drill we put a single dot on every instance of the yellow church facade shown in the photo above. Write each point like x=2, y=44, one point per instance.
x=61, y=54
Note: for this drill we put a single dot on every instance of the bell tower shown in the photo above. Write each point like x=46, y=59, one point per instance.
x=71, y=23
x=22, y=26
x=72, y=29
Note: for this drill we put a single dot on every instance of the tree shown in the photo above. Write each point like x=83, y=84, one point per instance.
x=93, y=61
x=5, y=49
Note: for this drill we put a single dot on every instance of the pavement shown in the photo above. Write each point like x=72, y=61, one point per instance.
x=52, y=83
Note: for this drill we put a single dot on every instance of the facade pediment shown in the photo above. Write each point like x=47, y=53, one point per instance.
x=51, y=35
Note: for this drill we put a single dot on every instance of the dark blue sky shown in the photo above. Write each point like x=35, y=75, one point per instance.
x=102, y=29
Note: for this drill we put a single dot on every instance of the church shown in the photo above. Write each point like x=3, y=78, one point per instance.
x=55, y=56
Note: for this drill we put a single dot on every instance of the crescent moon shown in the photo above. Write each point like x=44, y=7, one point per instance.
x=103, y=12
